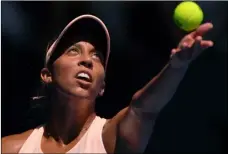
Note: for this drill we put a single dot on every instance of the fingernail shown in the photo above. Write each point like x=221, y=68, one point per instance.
x=211, y=25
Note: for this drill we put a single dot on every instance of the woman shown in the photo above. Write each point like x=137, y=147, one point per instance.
x=74, y=73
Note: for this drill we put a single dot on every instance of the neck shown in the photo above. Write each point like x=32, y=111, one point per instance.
x=69, y=115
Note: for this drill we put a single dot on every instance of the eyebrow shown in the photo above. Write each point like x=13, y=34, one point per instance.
x=78, y=46
x=81, y=47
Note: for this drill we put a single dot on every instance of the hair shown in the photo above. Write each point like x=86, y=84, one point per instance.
x=39, y=104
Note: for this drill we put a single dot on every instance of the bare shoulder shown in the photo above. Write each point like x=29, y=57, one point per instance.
x=13, y=143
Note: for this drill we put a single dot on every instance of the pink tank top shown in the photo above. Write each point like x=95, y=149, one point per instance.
x=91, y=141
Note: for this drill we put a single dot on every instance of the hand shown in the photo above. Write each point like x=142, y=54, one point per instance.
x=193, y=44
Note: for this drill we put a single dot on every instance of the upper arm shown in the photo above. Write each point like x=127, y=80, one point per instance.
x=13, y=143
x=110, y=131
x=128, y=131
x=134, y=131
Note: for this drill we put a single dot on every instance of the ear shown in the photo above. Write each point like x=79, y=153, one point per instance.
x=101, y=93
x=46, y=75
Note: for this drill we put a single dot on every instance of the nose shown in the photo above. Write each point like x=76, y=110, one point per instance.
x=86, y=63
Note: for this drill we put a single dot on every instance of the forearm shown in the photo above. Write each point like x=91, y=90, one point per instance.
x=137, y=125
x=146, y=105
x=159, y=91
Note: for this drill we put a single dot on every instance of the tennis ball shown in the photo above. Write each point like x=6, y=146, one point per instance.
x=188, y=15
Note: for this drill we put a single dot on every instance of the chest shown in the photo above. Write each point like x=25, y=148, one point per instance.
x=52, y=146
x=89, y=142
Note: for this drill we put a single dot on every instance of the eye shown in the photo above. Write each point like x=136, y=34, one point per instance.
x=95, y=55
x=74, y=50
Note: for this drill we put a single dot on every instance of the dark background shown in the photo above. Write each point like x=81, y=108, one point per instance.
x=142, y=36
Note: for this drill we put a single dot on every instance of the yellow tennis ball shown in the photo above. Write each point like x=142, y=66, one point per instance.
x=188, y=15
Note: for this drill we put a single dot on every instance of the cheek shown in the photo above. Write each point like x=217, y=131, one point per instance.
x=100, y=77
x=63, y=71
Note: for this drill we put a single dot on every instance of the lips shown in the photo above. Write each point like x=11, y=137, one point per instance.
x=84, y=76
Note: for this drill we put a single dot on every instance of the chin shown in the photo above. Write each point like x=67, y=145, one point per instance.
x=80, y=92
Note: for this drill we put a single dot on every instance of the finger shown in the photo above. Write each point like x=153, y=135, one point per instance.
x=173, y=51
x=189, y=44
x=184, y=45
x=197, y=42
x=187, y=39
x=206, y=44
x=199, y=38
x=202, y=29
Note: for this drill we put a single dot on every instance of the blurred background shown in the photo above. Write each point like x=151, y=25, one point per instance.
x=142, y=36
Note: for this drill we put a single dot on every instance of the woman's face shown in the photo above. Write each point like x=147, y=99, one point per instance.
x=79, y=71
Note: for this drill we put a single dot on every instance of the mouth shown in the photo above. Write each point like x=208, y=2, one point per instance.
x=84, y=76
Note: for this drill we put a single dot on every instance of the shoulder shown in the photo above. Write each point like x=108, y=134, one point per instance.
x=13, y=143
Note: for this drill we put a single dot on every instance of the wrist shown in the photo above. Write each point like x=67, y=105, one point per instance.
x=177, y=63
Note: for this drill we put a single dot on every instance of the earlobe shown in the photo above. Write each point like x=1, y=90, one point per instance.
x=46, y=75
x=101, y=93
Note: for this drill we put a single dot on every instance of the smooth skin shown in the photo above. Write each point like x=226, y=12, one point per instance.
x=131, y=128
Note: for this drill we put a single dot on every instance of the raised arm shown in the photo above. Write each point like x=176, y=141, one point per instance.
x=135, y=125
